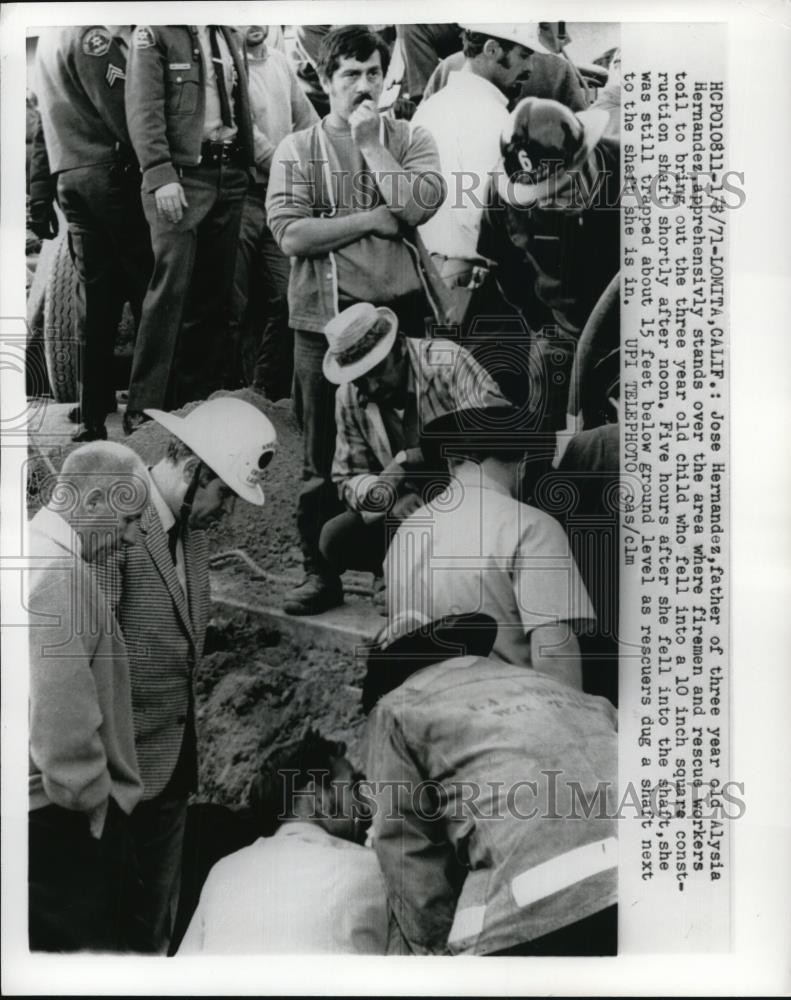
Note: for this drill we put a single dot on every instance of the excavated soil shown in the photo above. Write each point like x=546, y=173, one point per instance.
x=257, y=689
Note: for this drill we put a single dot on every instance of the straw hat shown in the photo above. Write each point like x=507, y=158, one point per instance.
x=357, y=340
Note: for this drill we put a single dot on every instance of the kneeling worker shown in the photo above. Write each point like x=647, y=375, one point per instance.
x=306, y=885
x=493, y=856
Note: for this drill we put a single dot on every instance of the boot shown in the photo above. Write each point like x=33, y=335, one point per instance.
x=315, y=594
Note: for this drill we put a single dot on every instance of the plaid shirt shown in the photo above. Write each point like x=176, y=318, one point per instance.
x=443, y=377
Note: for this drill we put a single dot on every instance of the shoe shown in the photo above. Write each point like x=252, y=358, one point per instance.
x=314, y=595
x=379, y=598
x=86, y=433
x=134, y=419
x=75, y=413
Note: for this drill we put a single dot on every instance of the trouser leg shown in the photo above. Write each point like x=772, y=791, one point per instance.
x=347, y=542
x=174, y=246
x=246, y=294
x=81, y=890
x=314, y=403
x=158, y=829
x=202, y=343
x=85, y=196
x=274, y=363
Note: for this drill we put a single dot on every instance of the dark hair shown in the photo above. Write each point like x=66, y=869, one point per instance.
x=286, y=772
x=177, y=450
x=474, y=41
x=352, y=41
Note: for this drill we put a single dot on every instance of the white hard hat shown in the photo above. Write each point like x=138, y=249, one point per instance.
x=232, y=437
x=524, y=34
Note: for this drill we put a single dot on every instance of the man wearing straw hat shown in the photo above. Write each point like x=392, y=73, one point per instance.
x=390, y=387
x=479, y=770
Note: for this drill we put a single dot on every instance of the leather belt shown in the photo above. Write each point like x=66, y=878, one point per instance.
x=221, y=152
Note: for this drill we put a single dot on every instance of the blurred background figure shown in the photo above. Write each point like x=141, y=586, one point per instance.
x=262, y=351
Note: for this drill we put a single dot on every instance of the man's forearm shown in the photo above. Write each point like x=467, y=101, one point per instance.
x=316, y=237
x=408, y=195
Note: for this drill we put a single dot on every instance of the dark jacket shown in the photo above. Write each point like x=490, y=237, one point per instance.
x=559, y=259
x=165, y=99
x=80, y=77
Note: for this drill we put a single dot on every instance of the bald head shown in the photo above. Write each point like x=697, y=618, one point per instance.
x=101, y=490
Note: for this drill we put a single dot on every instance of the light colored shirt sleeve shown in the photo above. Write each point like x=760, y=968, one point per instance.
x=547, y=583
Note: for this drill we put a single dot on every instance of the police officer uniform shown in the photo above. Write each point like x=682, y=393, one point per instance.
x=189, y=119
x=84, y=156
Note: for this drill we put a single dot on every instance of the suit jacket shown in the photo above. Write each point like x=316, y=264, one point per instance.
x=164, y=630
x=166, y=100
x=81, y=741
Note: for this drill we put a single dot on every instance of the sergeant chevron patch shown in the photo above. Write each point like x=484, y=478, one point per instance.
x=114, y=73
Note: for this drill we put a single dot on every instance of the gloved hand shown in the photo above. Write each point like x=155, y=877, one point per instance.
x=43, y=219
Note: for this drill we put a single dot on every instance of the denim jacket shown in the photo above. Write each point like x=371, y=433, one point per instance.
x=477, y=846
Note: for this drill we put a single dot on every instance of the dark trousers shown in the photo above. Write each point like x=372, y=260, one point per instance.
x=314, y=406
x=593, y=936
x=157, y=827
x=82, y=891
x=182, y=338
x=111, y=250
x=263, y=344
x=347, y=542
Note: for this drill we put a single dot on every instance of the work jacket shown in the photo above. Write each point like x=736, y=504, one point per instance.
x=496, y=791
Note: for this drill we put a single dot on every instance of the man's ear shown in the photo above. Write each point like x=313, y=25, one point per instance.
x=491, y=48
x=188, y=471
x=93, y=499
x=325, y=83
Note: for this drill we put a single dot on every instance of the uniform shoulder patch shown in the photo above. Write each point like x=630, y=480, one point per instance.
x=143, y=37
x=96, y=42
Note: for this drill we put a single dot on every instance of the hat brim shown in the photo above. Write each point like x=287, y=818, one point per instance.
x=179, y=428
x=342, y=374
x=390, y=663
x=594, y=122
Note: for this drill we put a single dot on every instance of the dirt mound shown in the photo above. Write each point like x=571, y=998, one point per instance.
x=256, y=689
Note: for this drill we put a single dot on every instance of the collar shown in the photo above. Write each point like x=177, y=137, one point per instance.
x=56, y=527
x=470, y=475
x=164, y=512
x=466, y=82
x=251, y=57
x=303, y=829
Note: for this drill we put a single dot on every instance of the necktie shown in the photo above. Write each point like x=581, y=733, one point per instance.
x=219, y=72
x=173, y=538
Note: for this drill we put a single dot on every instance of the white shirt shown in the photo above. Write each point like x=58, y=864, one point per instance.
x=476, y=548
x=300, y=891
x=167, y=519
x=213, y=127
x=466, y=118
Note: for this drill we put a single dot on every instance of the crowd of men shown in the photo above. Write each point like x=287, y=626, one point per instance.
x=427, y=265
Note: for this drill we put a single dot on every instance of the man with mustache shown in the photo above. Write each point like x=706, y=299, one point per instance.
x=341, y=196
